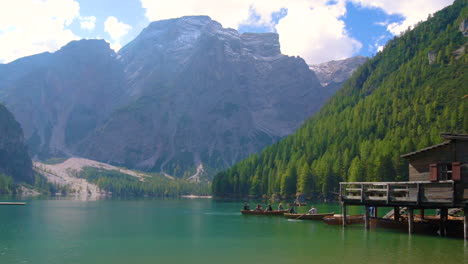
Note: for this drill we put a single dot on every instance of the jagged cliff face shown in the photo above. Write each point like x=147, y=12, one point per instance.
x=59, y=98
x=185, y=92
x=333, y=74
x=201, y=93
x=14, y=158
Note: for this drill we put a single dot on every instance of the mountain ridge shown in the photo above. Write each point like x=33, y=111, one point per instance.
x=186, y=92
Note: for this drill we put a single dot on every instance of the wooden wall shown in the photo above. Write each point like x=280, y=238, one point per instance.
x=462, y=156
x=419, y=163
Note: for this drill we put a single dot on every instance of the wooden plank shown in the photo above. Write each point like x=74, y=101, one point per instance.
x=377, y=190
x=353, y=189
x=343, y=212
x=12, y=203
x=377, y=198
x=397, y=183
x=465, y=222
x=388, y=193
x=366, y=217
x=362, y=192
x=443, y=221
x=410, y=220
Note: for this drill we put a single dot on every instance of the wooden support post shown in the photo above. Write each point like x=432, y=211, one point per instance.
x=388, y=193
x=465, y=222
x=366, y=217
x=343, y=211
x=410, y=220
x=422, y=214
x=341, y=194
x=443, y=221
x=396, y=213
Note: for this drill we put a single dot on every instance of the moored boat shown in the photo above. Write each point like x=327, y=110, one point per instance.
x=338, y=219
x=307, y=216
x=297, y=204
x=419, y=227
x=271, y=213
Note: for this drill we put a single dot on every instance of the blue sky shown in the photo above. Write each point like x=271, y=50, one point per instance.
x=317, y=30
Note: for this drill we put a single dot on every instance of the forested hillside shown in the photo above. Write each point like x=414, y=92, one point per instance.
x=397, y=102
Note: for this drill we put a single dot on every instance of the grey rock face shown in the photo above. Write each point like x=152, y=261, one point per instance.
x=463, y=27
x=334, y=73
x=203, y=94
x=14, y=158
x=431, y=57
x=185, y=92
x=58, y=98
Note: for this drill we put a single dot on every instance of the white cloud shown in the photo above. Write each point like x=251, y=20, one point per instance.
x=88, y=22
x=29, y=26
x=116, y=30
x=317, y=35
x=413, y=11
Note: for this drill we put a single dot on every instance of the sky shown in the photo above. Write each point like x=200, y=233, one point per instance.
x=316, y=30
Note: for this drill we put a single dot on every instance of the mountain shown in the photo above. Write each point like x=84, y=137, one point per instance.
x=58, y=98
x=14, y=159
x=395, y=103
x=333, y=74
x=186, y=97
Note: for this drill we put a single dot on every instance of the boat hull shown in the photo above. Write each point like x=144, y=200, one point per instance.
x=270, y=213
x=297, y=204
x=307, y=216
x=338, y=219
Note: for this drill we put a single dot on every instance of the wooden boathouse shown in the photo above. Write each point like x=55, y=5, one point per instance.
x=438, y=179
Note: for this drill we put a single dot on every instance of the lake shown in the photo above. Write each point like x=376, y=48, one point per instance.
x=199, y=231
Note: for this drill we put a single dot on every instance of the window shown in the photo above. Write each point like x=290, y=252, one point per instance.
x=445, y=171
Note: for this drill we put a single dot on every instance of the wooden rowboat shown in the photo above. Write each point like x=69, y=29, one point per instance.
x=338, y=219
x=297, y=204
x=418, y=227
x=307, y=216
x=12, y=203
x=271, y=213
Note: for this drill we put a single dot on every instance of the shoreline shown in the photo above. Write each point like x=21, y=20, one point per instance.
x=191, y=196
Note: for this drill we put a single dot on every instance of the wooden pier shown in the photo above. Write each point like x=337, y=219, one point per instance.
x=438, y=179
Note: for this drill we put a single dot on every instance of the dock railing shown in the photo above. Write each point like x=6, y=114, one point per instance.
x=398, y=193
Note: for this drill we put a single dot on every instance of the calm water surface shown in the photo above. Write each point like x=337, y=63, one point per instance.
x=199, y=231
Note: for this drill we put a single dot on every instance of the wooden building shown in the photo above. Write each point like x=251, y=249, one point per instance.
x=438, y=179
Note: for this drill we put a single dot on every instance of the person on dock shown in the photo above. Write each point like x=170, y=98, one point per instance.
x=280, y=207
x=291, y=210
x=372, y=211
x=258, y=208
x=313, y=210
x=269, y=208
x=246, y=206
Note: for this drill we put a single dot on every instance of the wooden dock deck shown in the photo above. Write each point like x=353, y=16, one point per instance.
x=421, y=194
x=441, y=195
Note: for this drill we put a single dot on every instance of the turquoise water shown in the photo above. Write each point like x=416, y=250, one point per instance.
x=199, y=231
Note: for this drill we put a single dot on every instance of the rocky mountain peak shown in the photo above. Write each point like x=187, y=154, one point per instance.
x=337, y=71
x=89, y=47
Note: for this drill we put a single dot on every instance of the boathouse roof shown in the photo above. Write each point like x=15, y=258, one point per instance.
x=448, y=136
